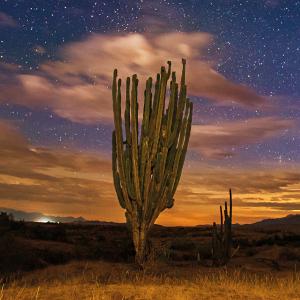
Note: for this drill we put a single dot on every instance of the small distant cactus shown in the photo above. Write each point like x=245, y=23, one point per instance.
x=222, y=238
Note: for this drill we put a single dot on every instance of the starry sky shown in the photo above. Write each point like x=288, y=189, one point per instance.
x=243, y=75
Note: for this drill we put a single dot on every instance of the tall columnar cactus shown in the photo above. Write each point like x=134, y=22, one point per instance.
x=222, y=239
x=147, y=164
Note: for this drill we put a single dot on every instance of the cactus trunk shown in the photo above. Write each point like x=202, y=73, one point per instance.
x=140, y=244
x=147, y=164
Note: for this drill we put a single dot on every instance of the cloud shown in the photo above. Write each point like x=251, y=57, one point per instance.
x=7, y=21
x=281, y=206
x=158, y=16
x=247, y=181
x=77, y=86
x=272, y=3
x=14, y=147
x=218, y=140
x=257, y=194
x=54, y=181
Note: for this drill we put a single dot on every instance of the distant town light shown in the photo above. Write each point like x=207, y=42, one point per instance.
x=44, y=220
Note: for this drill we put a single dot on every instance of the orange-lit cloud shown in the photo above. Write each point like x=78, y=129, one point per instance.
x=257, y=194
x=218, y=140
x=77, y=87
x=60, y=182
x=53, y=180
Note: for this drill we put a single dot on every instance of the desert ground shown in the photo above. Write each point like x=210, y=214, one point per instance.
x=95, y=261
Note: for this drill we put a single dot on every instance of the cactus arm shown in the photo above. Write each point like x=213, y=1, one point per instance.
x=127, y=113
x=128, y=174
x=155, y=105
x=229, y=243
x=181, y=148
x=171, y=107
x=116, y=176
x=152, y=125
x=160, y=111
x=221, y=219
x=134, y=139
x=181, y=101
x=145, y=131
x=183, y=72
x=185, y=146
x=116, y=96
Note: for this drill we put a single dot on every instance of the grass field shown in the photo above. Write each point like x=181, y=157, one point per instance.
x=101, y=280
x=86, y=261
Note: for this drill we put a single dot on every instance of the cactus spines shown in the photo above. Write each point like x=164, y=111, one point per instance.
x=222, y=239
x=147, y=164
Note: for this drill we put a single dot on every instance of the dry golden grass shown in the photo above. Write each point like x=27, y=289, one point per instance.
x=120, y=281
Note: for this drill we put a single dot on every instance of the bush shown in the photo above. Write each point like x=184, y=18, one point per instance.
x=53, y=232
x=183, y=245
x=289, y=255
x=182, y=256
x=251, y=251
x=15, y=256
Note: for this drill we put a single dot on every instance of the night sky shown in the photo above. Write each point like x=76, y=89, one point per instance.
x=243, y=71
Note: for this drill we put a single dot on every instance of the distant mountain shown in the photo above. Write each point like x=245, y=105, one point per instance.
x=289, y=220
x=39, y=217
